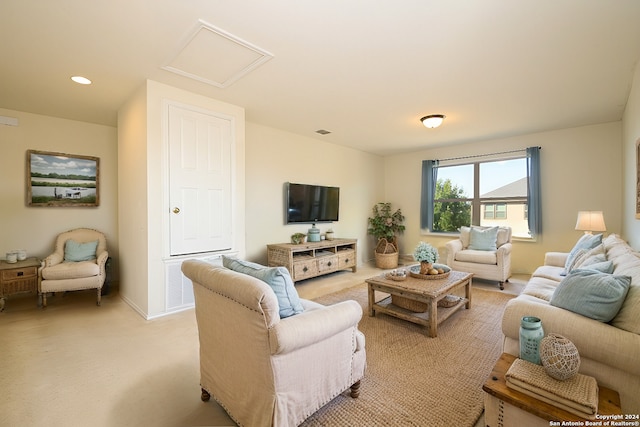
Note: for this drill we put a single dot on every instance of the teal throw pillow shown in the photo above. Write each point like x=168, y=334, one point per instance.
x=278, y=278
x=592, y=294
x=603, y=267
x=483, y=239
x=75, y=251
x=584, y=243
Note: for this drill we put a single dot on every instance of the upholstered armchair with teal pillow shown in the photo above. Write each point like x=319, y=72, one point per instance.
x=262, y=368
x=483, y=251
x=78, y=262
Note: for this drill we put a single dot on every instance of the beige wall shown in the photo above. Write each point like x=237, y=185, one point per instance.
x=275, y=157
x=631, y=136
x=35, y=228
x=580, y=171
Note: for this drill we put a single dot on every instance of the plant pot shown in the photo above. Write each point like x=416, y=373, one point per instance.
x=425, y=267
x=386, y=261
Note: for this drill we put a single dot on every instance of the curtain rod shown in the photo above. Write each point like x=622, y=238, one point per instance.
x=484, y=155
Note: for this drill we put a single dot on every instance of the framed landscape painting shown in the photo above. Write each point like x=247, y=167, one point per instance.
x=58, y=179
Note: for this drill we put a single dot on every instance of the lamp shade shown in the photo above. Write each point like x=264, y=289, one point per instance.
x=589, y=221
x=432, y=121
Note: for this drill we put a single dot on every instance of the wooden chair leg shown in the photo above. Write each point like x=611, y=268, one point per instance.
x=99, y=296
x=44, y=300
x=355, y=390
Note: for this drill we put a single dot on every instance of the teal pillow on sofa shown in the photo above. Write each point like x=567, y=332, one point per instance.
x=583, y=245
x=592, y=294
x=277, y=277
x=75, y=251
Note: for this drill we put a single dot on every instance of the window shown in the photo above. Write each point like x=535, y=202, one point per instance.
x=495, y=211
x=486, y=193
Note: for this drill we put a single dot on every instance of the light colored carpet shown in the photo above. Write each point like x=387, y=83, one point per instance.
x=413, y=380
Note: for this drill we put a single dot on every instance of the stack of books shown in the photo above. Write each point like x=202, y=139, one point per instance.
x=578, y=394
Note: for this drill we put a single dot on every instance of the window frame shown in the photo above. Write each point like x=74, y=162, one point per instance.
x=478, y=203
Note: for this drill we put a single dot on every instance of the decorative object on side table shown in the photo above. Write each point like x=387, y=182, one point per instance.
x=397, y=275
x=559, y=356
x=531, y=333
x=385, y=224
x=298, y=238
x=329, y=234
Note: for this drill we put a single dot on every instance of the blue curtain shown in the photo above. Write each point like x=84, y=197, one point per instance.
x=428, y=193
x=533, y=172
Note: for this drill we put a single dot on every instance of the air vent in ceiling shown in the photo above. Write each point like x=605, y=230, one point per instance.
x=216, y=57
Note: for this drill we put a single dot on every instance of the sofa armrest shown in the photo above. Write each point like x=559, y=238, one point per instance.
x=595, y=340
x=504, y=250
x=556, y=259
x=312, y=326
x=53, y=259
x=452, y=247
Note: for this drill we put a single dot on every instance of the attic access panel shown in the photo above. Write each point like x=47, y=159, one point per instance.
x=216, y=57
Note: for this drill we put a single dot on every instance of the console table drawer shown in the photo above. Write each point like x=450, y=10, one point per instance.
x=305, y=269
x=327, y=263
x=19, y=273
x=312, y=259
x=346, y=258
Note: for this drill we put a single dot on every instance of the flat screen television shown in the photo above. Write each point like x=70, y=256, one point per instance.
x=305, y=203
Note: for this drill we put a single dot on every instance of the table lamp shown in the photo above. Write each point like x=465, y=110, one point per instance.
x=589, y=221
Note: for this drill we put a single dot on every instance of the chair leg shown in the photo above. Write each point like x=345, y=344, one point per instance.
x=355, y=390
x=502, y=286
x=44, y=300
x=99, y=296
x=205, y=396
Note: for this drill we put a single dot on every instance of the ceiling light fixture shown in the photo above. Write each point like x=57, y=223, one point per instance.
x=81, y=80
x=433, y=120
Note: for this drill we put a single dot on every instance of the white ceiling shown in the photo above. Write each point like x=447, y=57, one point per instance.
x=365, y=70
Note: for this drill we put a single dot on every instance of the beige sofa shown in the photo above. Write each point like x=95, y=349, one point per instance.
x=610, y=352
x=265, y=370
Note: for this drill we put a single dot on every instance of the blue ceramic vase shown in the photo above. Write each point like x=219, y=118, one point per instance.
x=531, y=333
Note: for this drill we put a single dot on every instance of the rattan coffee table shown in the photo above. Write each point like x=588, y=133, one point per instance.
x=423, y=297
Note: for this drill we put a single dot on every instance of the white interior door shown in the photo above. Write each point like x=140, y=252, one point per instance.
x=200, y=181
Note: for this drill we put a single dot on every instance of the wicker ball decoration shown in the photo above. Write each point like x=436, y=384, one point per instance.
x=559, y=356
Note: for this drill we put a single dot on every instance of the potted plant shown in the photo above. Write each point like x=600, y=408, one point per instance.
x=385, y=224
x=298, y=238
x=426, y=255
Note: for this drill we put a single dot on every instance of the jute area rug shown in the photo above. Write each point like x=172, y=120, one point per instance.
x=413, y=380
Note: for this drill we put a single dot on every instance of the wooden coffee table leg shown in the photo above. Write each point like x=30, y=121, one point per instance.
x=467, y=293
x=433, y=318
x=371, y=300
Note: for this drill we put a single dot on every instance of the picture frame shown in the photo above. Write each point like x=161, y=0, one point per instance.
x=62, y=180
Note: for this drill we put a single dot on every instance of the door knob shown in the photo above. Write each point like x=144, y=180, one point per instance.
x=176, y=210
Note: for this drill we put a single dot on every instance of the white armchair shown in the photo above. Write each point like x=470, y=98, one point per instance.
x=77, y=263
x=489, y=264
x=264, y=370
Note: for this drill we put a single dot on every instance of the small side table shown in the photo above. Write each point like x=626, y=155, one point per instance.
x=19, y=277
x=504, y=406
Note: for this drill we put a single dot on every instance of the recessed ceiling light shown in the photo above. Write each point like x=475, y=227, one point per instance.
x=81, y=80
x=323, y=131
